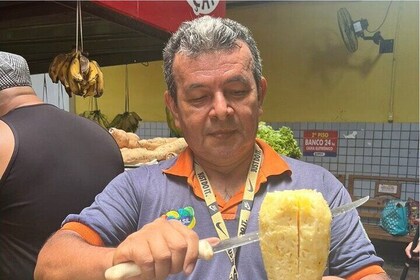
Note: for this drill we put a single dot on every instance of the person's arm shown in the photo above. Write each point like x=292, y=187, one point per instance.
x=67, y=256
x=352, y=255
x=379, y=276
x=160, y=248
x=7, y=145
x=416, y=240
x=415, y=250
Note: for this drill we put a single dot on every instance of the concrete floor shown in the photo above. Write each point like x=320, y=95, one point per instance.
x=394, y=256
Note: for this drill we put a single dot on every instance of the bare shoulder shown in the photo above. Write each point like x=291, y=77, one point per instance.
x=7, y=144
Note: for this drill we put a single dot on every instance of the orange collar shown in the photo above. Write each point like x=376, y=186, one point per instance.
x=271, y=165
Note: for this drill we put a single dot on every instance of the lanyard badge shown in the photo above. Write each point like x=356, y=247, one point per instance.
x=246, y=206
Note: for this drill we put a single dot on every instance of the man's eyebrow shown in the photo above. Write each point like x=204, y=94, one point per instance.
x=195, y=86
x=234, y=79
x=238, y=78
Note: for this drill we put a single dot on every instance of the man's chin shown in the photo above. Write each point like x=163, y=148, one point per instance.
x=225, y=148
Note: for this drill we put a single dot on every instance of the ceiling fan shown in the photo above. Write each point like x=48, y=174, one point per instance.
x=350, y=30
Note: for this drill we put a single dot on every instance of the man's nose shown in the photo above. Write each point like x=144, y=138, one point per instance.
x=221, y=107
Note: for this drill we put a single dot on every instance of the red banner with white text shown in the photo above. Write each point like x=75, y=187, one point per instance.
x=166, y=15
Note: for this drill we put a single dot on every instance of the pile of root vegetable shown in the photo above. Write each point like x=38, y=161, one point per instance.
x=136, y=151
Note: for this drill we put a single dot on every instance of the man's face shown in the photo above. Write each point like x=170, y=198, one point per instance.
x=218, y=103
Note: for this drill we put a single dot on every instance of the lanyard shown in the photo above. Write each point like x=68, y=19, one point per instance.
x=246, y=205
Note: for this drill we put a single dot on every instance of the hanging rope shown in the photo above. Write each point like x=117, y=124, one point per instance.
x=60, y=101
x=79, y=26
x=127, y=121
x=91, y=103
x=95, y=101
x=127, y=94
x=45, y=90
x=79, y=75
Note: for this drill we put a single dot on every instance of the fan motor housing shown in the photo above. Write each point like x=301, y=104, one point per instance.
x=350, y=30
x=386, y=46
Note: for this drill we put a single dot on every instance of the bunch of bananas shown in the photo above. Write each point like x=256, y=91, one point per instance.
x=127, y=121
x=78, y=74
x=97, y=117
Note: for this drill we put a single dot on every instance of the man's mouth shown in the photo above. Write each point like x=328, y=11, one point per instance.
x=222, y=133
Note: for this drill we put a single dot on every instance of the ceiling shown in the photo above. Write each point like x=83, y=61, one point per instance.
x=39, y=30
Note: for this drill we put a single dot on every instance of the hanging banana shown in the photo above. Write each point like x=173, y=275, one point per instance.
x=56, y=65
x=89, y=82
x=78, y=74
x=99, y=80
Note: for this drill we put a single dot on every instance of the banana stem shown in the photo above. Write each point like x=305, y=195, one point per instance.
x=45, y=89
x=90, y=103
x=95, y=100
x=79, y=26
x=127, y=95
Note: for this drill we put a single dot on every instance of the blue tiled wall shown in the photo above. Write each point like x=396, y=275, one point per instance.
x=378, y=149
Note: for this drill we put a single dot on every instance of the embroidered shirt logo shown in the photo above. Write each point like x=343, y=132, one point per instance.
x=184, y=215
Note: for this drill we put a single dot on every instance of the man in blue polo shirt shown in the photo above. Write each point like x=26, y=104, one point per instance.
x=155, y=215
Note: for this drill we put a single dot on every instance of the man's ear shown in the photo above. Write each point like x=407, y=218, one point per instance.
x=172, y=107
x=261, y=94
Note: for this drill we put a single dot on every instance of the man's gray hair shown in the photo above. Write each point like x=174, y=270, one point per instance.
x=207, y=34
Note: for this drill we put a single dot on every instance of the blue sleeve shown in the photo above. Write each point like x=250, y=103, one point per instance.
x=114, y=213
x=350, y=248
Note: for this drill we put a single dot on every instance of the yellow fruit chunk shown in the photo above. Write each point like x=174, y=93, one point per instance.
x=295, y=234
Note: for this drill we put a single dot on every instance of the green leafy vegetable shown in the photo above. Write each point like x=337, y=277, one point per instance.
x=281, y=140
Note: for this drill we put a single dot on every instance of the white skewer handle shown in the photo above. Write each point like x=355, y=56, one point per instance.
x=129, y=269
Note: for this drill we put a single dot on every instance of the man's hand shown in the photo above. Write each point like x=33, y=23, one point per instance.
x=160, y=248
x=416, y=250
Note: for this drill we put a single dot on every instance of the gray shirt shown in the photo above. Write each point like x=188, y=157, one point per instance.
x=139, y=196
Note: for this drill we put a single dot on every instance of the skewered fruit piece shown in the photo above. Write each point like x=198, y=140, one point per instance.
x=295, y=234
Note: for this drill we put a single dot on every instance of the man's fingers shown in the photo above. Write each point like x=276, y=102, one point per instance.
x=167, y=247
x=160, y=248
x=144, y=259
x=191, y=253
x=162, y=257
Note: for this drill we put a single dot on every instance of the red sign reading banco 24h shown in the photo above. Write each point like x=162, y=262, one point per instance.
x=321, y=143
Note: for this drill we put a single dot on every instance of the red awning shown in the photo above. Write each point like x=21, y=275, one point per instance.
x=166, y=15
